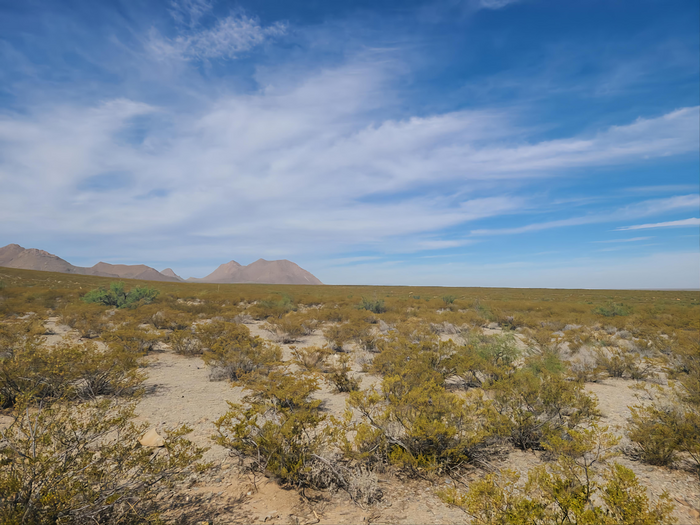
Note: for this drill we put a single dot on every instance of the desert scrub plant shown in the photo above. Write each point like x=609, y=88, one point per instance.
x=68, y=463
x=278, y=430
x=118, y=297
x=618, y=362
x=289, y=328
x=612, y=309
x=376, y=306
x=533, y=407
x=483, y=359
x=276, y=308
x=66, y=370
x=418, y=427
x=88, y=319
x=571, y=490
x=310, y=358
x=131, y=339
x=281, y=431
x=448, y=299
x=184, y=342
x=234, y=353
x=169, y=320
x=340, y=376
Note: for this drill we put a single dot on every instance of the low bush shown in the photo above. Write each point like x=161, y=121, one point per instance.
x=184, y=342
x=88, y=319
x=340, y=376
x=613, y=309
x=565, y=491
x=535, y=407
x=131, y=339
x=233, y=353
x=375, y=306
x=310, y=358
x=278, y=431
x=67, y=371
x=417, y=426
x=118, y=297
x=83, y=464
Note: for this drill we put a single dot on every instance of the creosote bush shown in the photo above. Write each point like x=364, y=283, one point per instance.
x=65, y=463
x=66, y=370
x=417, y=426
x=233, y=353
x=118, y=297
x=570, y=490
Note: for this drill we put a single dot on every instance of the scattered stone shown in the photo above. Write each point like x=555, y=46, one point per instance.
x=152, y=439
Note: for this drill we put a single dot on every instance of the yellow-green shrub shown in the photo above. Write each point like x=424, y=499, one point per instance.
x=232, y=352
x=82, y=464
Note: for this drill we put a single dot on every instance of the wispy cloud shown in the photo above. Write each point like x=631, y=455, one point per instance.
x=228, y=38
x=670, y=224
x=493, y=4
x=641, y=209
x=634, y=239
x=189, y=12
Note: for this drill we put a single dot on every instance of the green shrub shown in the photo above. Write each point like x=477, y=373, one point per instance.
x=564, y=491
x=341, y=378
x=184, y=342
x=233, y=353
x=118, y=297
x=375, y=306
x=66, y=371
x=279, y=431
x=448, y=299
x=613, y=309
x=83, y=464
x=418, y=426
x=535, y=407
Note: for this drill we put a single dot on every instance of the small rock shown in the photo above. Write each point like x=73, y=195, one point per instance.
x=152, y=439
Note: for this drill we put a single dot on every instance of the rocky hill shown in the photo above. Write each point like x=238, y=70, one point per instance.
x=14, y=256
x=261, y=271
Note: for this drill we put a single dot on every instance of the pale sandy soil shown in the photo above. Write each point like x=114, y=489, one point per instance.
x=179, y=391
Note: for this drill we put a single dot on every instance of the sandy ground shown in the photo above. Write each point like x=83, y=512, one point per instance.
x=179, y=391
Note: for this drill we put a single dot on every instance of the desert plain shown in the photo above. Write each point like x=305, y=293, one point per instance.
x=405, y=398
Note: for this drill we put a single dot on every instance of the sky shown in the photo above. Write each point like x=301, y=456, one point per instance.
x=519, y=143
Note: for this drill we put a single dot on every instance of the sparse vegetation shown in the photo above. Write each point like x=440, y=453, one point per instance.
x=452, y=392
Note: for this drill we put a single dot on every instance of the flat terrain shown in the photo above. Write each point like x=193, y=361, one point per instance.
x=580, y=327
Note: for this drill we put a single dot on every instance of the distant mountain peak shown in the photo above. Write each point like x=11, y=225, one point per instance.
x=14, y=256
x=261, y=271
x=168, y=272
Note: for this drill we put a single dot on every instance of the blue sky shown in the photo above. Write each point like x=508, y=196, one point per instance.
x=526, y=143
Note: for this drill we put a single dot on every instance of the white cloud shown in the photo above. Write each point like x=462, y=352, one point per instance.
x=641, y=209
x=296, y=166
x=670, y=224
x=228, y=38
x=634, y=239
x=189, y=12
x=494, y=4
x=666, y=270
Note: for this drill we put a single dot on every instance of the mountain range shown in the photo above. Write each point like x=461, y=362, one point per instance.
x=261, y=271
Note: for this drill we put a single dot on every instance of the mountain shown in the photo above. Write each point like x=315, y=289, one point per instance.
x=168, y=272
x=261, y=271
x=129, y=271
x=14, y=256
